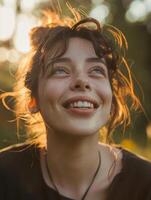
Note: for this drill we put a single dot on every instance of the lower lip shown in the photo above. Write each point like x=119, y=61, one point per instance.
x=82, y=112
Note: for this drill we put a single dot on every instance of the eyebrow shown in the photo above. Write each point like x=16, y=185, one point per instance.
x=91, y=59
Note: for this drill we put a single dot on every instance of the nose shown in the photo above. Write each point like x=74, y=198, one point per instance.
x=80, y=84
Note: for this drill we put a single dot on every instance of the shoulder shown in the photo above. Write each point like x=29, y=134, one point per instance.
x=20, y=172
x=15, y=156
x=135, y=161
x=134, y=179
x=17, y=150
x=136, y=170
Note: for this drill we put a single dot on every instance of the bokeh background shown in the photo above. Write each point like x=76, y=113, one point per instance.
x=133, y=17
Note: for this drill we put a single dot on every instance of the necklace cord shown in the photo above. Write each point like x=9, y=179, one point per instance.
x=87, y=190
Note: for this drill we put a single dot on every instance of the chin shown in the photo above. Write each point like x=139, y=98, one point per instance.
x=77, y=128
x=80, y=131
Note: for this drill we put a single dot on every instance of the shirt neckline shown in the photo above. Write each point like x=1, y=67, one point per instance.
x=116, y=177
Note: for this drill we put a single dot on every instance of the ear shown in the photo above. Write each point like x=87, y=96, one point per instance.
x=32, y=106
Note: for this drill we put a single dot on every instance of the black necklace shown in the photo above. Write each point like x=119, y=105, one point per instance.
x=87, y=190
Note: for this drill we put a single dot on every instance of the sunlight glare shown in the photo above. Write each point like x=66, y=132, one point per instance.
x=13, y=56
x=28, y=7
x=7, y=23
x=21, y=38
x=3, y=54
x=136, y=12
x=10, y=3
x=148, y=5
x=100, y=12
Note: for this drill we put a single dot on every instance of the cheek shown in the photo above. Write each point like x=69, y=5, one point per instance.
x=51, y=93
x=105, y=92
x=52, y=90
x=108, y=95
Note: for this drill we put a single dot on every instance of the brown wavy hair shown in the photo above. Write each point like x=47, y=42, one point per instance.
x=50, y=41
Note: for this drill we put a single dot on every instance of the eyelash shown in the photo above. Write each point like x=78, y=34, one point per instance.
x=100, y=69
x=59, y=69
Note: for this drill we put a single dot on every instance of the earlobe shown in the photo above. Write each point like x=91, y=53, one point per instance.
x=32, y=106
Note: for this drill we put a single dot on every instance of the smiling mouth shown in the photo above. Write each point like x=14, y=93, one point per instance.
x=83, y=105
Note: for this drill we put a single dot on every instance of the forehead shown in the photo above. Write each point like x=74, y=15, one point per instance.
x=74, y=49
x=79, y=48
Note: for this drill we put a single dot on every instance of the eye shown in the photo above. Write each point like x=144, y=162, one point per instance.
x=60, y=70
x=98, y=70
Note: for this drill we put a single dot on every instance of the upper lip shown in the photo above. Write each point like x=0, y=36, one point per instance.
x=81, y=98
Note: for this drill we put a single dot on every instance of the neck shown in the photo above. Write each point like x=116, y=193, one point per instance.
x=72, y=161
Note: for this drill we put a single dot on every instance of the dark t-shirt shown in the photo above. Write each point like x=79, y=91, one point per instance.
x=21, y=177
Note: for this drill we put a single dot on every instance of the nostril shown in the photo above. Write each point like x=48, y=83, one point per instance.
x=77, y=86
x=83, y=85
x=80, y=84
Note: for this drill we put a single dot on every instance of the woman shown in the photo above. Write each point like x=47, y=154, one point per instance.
x=70, y=91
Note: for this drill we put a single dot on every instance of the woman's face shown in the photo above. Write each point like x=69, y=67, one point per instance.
x=75, y=95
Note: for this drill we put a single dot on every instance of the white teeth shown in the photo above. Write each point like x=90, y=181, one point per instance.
x=81, y=104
